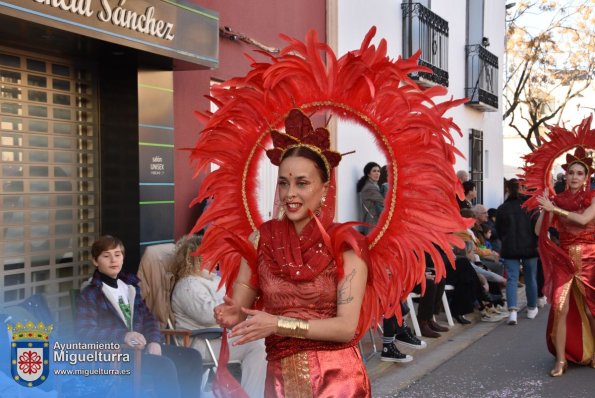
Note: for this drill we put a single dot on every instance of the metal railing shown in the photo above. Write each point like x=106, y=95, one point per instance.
x=476, y=161
x=482, y=78
x=426, y=31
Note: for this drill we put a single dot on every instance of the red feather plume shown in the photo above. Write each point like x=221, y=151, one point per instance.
x=364, y=86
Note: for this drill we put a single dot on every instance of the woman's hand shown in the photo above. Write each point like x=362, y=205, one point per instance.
x=229, y=313
x=545, y=203
x=135, y=340
x=258, y=326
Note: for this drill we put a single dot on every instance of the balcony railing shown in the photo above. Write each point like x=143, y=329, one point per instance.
x=482, y=78
x=423, y=30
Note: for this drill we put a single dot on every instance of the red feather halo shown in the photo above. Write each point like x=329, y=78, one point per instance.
x=364, y=86
x=538, y=164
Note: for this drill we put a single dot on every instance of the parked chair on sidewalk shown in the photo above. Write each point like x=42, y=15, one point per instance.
x=447, y=288
x=412, y=312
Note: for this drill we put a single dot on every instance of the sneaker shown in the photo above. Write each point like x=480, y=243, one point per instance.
x=512, y=318
x=494, y=313
x=541, y=301
x=532, y=312
x=410, y=340
x=486, y=317
x=390, y=353
x=500, y=309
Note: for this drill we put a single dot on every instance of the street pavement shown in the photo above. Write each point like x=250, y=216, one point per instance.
x=487, y=360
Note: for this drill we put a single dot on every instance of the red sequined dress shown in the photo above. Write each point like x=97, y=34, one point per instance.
x=297, y=277
x=569, y=271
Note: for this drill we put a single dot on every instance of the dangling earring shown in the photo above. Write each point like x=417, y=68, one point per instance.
x=318, y=211
x=281, y=213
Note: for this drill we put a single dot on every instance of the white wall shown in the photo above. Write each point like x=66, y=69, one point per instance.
x=354, y=19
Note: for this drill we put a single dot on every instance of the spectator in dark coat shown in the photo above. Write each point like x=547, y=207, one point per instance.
x=111, y=310
x=519, y=246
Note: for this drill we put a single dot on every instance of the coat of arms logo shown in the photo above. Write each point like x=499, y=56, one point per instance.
x=30, y=353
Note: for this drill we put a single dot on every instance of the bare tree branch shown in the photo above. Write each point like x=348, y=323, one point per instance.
x=547, y=67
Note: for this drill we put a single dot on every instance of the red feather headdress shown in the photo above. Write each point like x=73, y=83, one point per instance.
x=580, y=156
x=299, y=132
x=364, y=86
x=538, y=164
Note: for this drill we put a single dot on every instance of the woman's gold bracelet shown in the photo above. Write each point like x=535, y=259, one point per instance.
x=561, y=212
x=292, y=327
x=245, y=285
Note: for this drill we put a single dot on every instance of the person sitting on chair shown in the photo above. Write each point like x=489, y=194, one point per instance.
x=193, y=301
x=110, y=310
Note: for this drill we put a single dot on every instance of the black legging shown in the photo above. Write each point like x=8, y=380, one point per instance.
x=468, y=289
x=391, y=326
x=430, y=301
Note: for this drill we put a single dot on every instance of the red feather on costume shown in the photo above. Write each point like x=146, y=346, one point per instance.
x=363, y=86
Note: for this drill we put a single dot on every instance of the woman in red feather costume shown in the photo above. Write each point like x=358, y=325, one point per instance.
x=569, y=268
x=313, y=287
x=310, y=309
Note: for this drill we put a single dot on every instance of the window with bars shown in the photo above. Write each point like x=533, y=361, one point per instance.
x=476, y=161
x=481, y=86
x=427, y=32
x=48, y=173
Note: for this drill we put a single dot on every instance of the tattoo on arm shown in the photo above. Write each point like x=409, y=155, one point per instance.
x=344, y=295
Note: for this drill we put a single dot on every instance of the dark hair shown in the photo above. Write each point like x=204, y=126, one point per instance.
x=492, y=212
x=307, y=153
x=468, y=186
x=367, y=169
x=104, y=243
x=383, y=175
x=514, y=188
x=485, y=228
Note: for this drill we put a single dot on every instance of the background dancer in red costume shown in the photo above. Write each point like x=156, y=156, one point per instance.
x=569, y=269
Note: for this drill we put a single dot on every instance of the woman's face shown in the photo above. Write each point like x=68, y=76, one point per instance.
x=576, y=177
x=300, y=189
x=374, y=174
x=110, y=262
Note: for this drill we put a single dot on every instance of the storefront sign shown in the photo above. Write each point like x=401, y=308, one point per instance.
x=116, y=13
x=167, y=27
